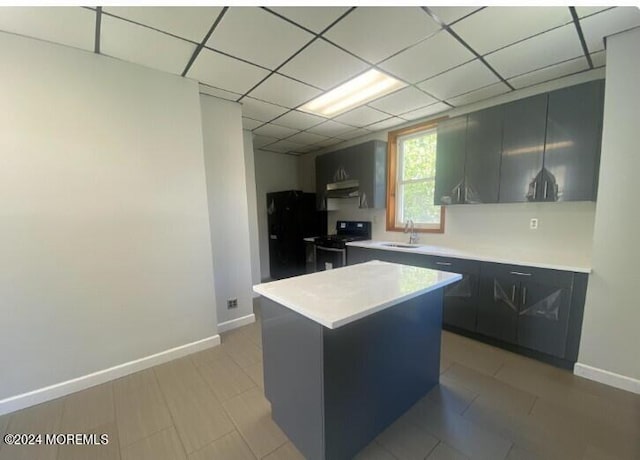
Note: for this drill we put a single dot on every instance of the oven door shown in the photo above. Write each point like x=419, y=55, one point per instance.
x=328, y=258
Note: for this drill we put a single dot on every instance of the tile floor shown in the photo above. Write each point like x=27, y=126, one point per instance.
x=490, y=404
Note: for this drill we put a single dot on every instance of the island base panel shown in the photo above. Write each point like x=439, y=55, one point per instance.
x=334, y=390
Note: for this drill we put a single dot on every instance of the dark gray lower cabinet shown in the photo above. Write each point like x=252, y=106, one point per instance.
x=525, y=309
x=525, y=306
x=460, y=299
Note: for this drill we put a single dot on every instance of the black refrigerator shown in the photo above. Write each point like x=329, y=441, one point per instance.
x=291, y=216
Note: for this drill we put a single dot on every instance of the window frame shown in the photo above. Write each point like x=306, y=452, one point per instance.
x=392, y=175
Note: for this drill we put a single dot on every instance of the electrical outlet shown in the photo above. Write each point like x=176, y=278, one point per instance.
x=533, y=223
x=232, y=303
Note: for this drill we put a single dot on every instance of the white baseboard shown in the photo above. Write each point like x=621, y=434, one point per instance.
x=238, y=322
x=58, y=390
x=608, y=378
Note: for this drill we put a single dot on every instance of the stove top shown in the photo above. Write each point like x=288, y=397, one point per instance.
x=347, y=231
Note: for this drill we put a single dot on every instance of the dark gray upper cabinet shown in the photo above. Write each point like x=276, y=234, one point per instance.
x=572, y=148
x=365, y=163
x=450, y=160
x=542, y=148
x=524, y=129
x=483, y=151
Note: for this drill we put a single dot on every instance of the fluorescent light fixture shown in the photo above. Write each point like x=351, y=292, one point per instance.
x=360, y=90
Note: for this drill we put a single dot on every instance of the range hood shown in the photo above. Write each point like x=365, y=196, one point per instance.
x=343, y=189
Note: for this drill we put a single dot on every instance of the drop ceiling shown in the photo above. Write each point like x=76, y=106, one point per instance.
x=274, y=60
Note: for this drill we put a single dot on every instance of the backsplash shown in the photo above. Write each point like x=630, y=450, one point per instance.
x=564, y=234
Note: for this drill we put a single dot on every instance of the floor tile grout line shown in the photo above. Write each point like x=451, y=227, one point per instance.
x=166, y=404
x=272, y=451
x=433, y=448
x=535, y=401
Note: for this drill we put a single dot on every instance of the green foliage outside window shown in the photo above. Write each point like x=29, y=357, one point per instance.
x=417, y=160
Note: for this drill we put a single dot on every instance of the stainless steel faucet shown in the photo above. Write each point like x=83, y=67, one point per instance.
x=409, y=227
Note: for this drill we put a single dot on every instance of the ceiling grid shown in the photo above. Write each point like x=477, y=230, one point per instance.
x=274, y=60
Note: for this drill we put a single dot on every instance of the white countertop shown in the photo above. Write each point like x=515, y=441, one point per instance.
x=337, y=297
x=523, y=258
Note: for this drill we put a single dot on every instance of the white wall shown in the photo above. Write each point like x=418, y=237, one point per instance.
x=498, y=229
x=252, y=205
x=105, y=254
x=228, y=206
x=612, y=311
x=274, y=172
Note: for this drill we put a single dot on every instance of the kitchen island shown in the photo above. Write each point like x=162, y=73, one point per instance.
x=347, y=351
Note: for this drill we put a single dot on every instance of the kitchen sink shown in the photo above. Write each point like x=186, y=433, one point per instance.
x=400, y=245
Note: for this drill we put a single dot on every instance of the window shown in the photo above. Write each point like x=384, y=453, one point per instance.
x=411, y=180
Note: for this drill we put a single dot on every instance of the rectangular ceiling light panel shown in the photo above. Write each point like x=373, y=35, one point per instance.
x=357, y=91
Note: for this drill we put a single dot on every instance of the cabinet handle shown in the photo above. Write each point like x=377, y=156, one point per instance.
x=513, y=293
x=535, y=188
x=524, y=295
x=546, y=189
x=443, y=263
x=458, y=193
x=465, y=195
x=521, y=274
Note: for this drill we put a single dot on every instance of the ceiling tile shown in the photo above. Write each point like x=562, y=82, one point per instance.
x=463, y=79
x=498, y=26
x=257, y=36
x=426, y=111
x=141, y=45
x=608, y=23
x=71, y=26
x=327, y=143
x=309, y=148
x=550, y=73
x=306, y=137
x=260, y=110
x=358, y=132
x=479, y=94
x=299, y=120
x=284, y=91
x=599, y=58
x=313, y=18
x=432, y=56
x=283, y=146
x=361, y=116
x=217, y=92
x=450, y=14
x=278, y=131
x=331, y=128
x=261, y=141
x=322, y=64
x=543, y=50
x=386, y=124
x=249, y=123
x=224, y=72
x=375, y=33
x=403, y=101
x=583, y=11
x=191, y=23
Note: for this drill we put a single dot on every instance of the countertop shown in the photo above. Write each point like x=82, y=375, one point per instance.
x=337, y=297
x=523, y=258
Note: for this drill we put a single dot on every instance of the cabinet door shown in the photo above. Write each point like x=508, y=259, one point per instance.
x=450, y=157
x=498, y=307
x=522, y=148
x=543, y=317
x=460, y=303
x=572, y=149
x=484, y=148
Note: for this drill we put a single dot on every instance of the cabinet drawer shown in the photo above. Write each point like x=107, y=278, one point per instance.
x=522, y=273
x=450, y=264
